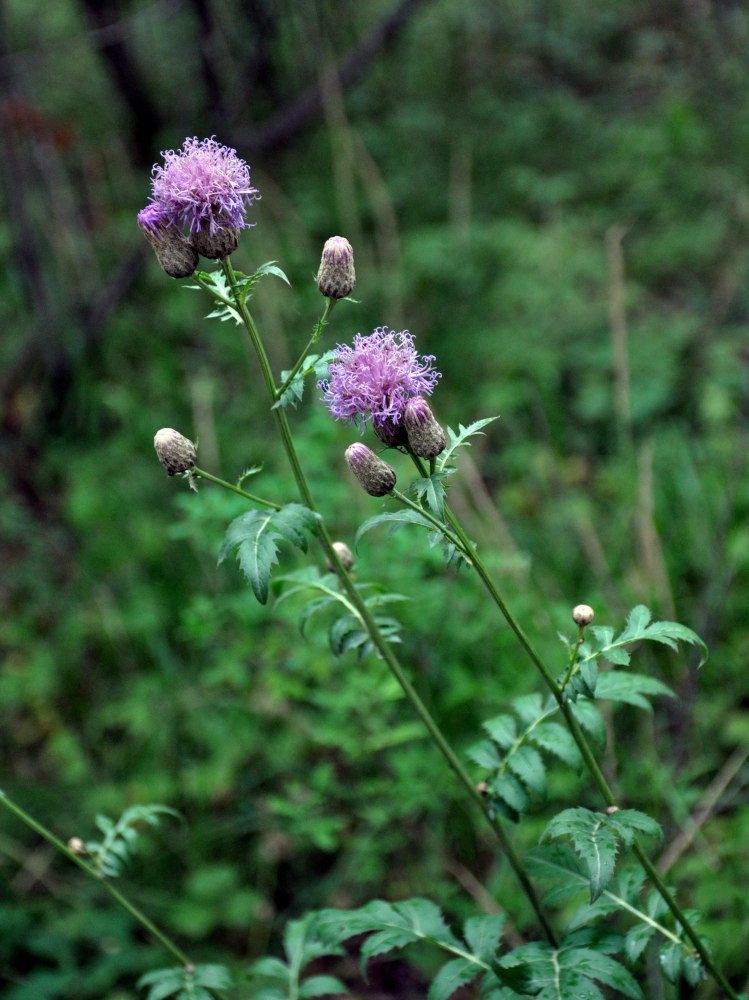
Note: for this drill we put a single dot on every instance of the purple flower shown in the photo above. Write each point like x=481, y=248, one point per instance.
x=204, y=185
x=374, y=378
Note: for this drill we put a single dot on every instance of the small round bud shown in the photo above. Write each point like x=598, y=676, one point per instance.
x=345, y=556
x=221, y=243
x=76, y=845
x=483, y=787
x=172, y=250
x=176, y=452
x=336, y=277
x=610, y=810
x=582, y=615
x=374, y=475
x=425, y=436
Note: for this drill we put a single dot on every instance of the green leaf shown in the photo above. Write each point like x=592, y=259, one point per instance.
x=396, y=519
x=628, y=822
x=272, y=968
x=461, y=438
x=451, y=977
x=554, y=738
x=254, y=536
x=618, y=685
x=555, y=863
x=318, y=986
x=636, y=941
x=483, y=935
x=594, y=841
x=590, y=718
x=670, y=955
x=502, y=730
x=526, y=764
x=432, y=491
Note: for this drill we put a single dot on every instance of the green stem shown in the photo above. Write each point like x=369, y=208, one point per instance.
x=438, y=525
x=201, y=474
x=329, y=303
x=582, y=743
x=383, y=647
x=115, y=893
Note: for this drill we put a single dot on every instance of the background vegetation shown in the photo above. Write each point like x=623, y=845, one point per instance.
x=554, y=199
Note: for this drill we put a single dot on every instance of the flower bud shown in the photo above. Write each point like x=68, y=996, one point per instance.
x=76, y=846
x=345, y=557
x=391, y=434
x=425, y=436
x=217, y=244
x=582, y=615
x=375, y=476
x=336, y=277
x=176, y=453
x=173, y=251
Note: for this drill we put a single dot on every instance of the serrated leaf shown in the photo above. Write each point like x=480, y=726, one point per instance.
x=510, y=790
x=636, y=941
x=528, y=708
x=669, y=956
x=502, y=729
x=483, y=935
x=451, y=977
x=618, y=685
x=692, y=970
x=628, y=822
x=460, y=439
x=601, y=968
x=556, y=863
x=590, y=719
x=486, y=755
x=395, y=520
x=594, y=842
x=554, y=738
x=526, y=764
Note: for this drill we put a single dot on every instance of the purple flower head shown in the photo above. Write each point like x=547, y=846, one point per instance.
x=204, y=184
x=374, y=378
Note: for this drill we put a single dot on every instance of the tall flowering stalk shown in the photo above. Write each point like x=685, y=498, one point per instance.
x=382, y=380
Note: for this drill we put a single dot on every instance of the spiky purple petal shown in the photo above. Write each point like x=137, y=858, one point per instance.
x=375, y=378
x=203, y=184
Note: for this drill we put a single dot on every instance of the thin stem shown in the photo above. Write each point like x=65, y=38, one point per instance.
x=329, y=303
x=583, y=745
x=366, y=617
x=115, y=893
x=201, y=474
x=438, y=525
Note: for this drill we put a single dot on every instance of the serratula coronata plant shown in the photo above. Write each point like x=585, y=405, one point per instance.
x=593, y=848
x=382, y=380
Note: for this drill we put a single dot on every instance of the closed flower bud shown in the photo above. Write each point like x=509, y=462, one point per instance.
x=582, y=615
x=217, y=244
x=173, y=251
x=345, y=556
x=393, y=435
x=76, y=846
x=374, y=475
x=176, y=452
x=336, y=277
x=425, y=436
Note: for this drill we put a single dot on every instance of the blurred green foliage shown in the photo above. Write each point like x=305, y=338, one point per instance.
x=553, y=198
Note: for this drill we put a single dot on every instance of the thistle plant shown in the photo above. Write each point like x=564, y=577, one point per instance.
x=596, y=856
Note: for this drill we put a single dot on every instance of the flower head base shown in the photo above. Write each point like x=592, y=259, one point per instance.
x=425, y=436
x=336, y=277
x=203, y=187
x=376, y=377
x=175, y=254
x=176, y=452
x=375, y=476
